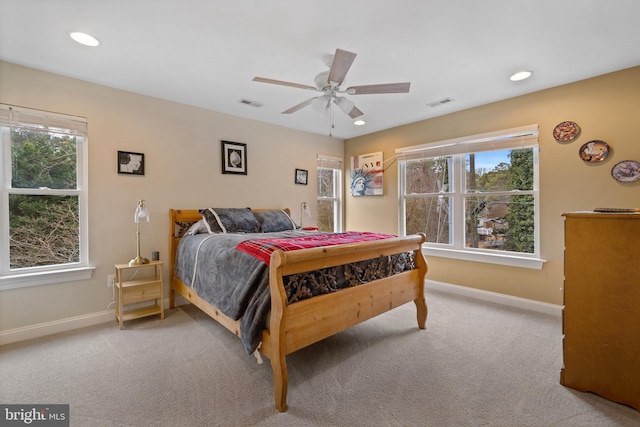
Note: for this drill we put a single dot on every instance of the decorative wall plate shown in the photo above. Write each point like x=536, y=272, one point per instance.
x=626, y=171
x=594, y=151
x=566, y=131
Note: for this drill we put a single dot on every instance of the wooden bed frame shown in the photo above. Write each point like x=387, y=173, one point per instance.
x=297, y=325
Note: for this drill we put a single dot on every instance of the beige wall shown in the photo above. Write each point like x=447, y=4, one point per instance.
x=182, y=149
x=182, y=154
x=605, y=107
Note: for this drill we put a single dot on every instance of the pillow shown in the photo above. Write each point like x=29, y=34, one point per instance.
x=198, y=227
x=274, y=220
x=230, y=220
x=210, y=221
x=181, y=228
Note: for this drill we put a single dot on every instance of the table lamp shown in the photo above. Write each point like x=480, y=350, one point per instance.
x=142, y=214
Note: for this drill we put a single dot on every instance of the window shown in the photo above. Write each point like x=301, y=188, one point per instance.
x=329, y=194
x=43, y=231
x=476, y=197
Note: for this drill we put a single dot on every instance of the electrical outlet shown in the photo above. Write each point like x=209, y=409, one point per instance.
x=111, y=280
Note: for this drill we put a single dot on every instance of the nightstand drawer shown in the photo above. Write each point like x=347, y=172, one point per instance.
x=142, y=292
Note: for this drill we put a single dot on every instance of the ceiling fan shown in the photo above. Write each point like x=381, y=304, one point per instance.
x=328, y=83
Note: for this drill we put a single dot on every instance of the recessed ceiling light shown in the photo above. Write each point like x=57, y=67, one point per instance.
x=359, y=122
x=520, y=76
x=84, y=38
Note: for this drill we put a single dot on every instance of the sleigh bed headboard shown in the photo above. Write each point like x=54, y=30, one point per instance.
x=180, y=220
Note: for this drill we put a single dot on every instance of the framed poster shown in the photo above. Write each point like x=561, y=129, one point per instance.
x=367, y=173
x=234, y=158
x=302, y=177
x=130, y=163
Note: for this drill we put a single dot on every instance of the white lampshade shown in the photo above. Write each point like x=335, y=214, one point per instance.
x=142, y=214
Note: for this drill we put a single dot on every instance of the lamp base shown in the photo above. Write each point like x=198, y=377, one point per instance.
x=139, y=261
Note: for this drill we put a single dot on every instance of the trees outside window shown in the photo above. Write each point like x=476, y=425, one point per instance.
x=478, y=194
x=329, y=201
x=43, y=191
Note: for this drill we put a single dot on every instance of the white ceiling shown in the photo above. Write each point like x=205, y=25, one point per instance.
x=206, y=52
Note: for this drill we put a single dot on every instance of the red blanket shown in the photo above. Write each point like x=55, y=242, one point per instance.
x=262, y=248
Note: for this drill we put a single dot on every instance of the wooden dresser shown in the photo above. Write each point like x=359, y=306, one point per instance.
x=601, y=316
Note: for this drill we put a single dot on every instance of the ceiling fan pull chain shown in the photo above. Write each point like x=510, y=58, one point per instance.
x=331, y=119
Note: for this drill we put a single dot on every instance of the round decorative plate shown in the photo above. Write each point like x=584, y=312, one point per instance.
x=594, y=151
x=566, y=131
x=626, y=171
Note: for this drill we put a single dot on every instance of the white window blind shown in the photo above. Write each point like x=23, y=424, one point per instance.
x=329, y=162
x=17, y=117
x=522, y=137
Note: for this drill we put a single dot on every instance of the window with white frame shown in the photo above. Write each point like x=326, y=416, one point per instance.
x=329, y=202
x=43, y=231
x=475, y=197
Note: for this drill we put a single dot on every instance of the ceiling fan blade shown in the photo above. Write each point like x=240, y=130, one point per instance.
x=355, y=112
x=298, y=107
x=342, y=61
x=381, y=88
x=282, y=83
x=348, y=107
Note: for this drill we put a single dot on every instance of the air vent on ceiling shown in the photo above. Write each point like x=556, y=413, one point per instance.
x=440, y=102
x=249, y=102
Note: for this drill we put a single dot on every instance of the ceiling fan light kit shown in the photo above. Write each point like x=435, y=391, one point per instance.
x=320, y=104
x=329, y=82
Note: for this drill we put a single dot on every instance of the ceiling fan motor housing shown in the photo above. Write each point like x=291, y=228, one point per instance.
x=321, y=80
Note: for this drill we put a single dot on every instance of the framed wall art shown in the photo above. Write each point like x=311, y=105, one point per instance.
x=367, y=173
x=234, y=158
x=130, y=163
x=302, y=177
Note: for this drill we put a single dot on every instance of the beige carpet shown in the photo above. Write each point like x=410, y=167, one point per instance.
x=477, y=364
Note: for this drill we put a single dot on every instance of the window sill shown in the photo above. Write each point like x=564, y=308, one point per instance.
x=489, y=258
x=25, y=280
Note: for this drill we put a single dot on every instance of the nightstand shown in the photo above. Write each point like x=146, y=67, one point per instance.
x=139, y=283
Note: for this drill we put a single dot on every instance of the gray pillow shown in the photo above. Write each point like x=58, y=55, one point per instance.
x=272, y=221
x=210, y=221
x=230, y=220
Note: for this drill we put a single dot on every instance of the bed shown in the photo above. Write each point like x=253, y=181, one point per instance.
x=290, y=326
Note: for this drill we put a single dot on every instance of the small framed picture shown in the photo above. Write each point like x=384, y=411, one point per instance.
x=130, y=163
x=234, y=158
x=302, y=177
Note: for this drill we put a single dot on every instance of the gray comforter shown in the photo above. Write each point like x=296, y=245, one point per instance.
x=237, y=283
x=234, y=282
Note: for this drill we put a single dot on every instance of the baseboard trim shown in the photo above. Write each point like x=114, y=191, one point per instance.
x=508, y=300
x=63, y=325
x=48, y=328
